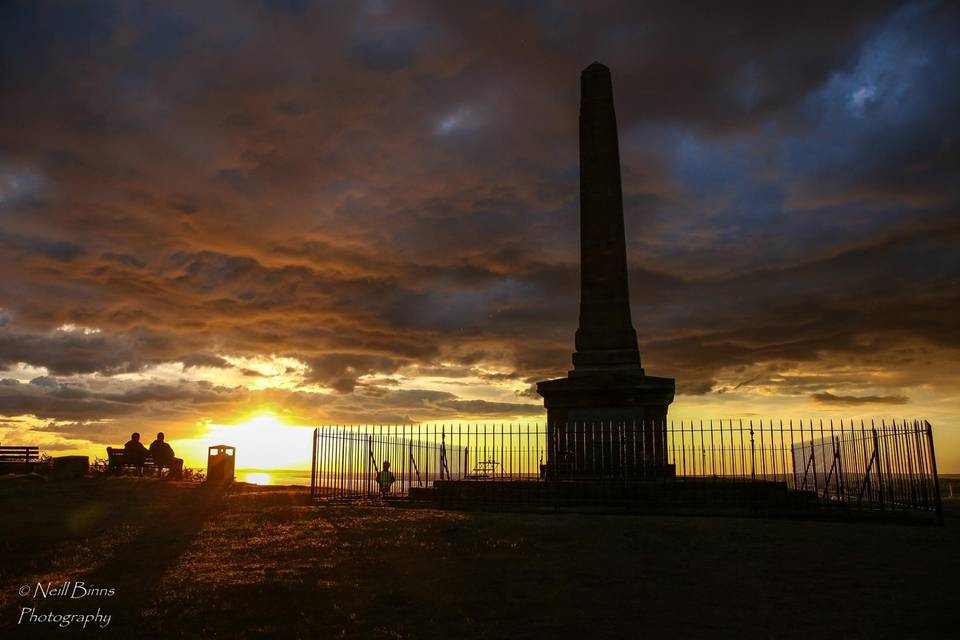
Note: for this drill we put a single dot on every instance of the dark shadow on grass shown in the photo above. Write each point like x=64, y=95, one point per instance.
x=135, y=568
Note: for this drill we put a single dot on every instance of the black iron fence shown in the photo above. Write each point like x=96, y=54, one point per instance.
x=772, y=464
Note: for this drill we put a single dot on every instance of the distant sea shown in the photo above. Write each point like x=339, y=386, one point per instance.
x=274, y=476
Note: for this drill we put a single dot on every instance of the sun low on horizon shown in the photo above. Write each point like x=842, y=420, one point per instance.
x=263, y=441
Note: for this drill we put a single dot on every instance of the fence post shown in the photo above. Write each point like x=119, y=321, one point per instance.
x=838, y=455
x=936, y=478
x=443, y=454
x=876, y=452
x=313, y=464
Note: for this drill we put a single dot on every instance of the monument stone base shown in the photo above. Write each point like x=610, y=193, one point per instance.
x=607, y=424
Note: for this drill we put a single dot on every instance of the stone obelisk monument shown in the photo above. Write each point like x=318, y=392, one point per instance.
x=607, y=384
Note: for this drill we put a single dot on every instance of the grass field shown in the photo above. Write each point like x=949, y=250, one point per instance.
x=185, y=561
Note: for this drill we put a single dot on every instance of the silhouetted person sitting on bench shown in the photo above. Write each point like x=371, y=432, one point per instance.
x=134, y=453
x=385, y=478
x=162, y=454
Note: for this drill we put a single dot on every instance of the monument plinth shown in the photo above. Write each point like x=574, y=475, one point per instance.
x=607, y=384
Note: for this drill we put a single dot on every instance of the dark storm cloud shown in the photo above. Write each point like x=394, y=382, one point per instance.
x=388, y=47
x=340, y=371
x=397, y=406
x=203, y=360
x=829, y=398
x=59, y=250
x=52, y=399
x=122, y=258
x=860, y=303
x=237, y=180
x=67, y=353
x=376, y=189
x=98, y=432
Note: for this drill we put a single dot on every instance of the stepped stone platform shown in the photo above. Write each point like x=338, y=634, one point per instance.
x=710, y=494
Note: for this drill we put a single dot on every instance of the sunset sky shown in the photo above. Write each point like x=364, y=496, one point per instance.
x=304, y=213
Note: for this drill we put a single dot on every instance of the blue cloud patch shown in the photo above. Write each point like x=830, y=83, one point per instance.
x=387, y=48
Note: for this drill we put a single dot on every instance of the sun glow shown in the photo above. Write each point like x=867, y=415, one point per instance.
x=257, y=478
x=263, y=442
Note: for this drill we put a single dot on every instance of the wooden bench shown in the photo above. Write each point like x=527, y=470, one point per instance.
x=22, y=459
x=117, y=461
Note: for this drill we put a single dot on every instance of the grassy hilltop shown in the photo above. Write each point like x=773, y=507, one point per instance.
x=265, y=562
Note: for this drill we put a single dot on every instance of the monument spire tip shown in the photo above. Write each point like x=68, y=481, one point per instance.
x=596, y=66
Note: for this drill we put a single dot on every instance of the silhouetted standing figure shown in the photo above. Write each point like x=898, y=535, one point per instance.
x=385, y=478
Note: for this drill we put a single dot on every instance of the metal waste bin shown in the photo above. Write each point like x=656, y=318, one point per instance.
x=221, y=461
